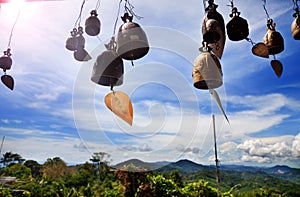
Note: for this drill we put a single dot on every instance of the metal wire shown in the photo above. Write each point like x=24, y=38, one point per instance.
x=116, y=21
x=78, y=21
x=264, y=5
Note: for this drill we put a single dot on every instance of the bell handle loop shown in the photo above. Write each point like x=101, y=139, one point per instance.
x=211, y=6
x=234, y=12
x=297, y=12
x=80, y=30
x=112, y=45
x=126, y=18
x=7, y=52
x=94, y=13
x=74, y=32
x=271, y=24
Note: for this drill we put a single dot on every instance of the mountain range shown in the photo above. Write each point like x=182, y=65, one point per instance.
x=189, y=167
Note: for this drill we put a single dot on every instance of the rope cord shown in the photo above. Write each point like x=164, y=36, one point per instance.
x=129, y=8
x=115, y=25
x=12, y=29
x=98, y=4
x=78, y=21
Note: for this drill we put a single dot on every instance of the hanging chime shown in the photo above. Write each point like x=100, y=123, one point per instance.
x=92, y=24
x=5, y=64
x=213, y=29
x=273, y=39
x=80, y=54
x=72, y=43
x=132, y=42
x=207, y=70
x=295, y=27
x=237, y=27
x=108, y=70
x=274, y=42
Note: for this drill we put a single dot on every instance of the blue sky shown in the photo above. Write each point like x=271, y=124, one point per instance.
x=55, y=109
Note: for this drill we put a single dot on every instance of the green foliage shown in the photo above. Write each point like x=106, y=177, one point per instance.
x=18, y=170
x=200, y=188
x=55, y=179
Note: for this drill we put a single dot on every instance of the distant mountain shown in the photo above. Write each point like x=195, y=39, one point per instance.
x=139, y=163
x=186, y=167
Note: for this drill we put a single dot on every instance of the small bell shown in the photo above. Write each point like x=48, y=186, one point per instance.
x=132, y=42
x=273, y=39
x=71, y=43
x=211, y=31
x=237, y=27
x=92, y=24
x=80, y=54
x=207, y=70
x=108, y=70
x=295, y=27
x=5, y=60
x=212, y=13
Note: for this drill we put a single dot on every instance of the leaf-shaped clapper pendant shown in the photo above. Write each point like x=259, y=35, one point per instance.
x=8, y=81
x=277, y=67
x=120, y=104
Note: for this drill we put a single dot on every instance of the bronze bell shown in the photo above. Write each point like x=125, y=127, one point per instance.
x=132, y=42
x=237, y=27
x=207, y=70
x=108, y=70
x=295, y=27
x=92, y=24
x=211, y=13
x=5, y=60
x=211, y=30
x=71, y=43
x=273, y=39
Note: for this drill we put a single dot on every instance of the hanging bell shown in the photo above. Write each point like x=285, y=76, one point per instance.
x=273, y=39
x=295, y=27
x=5, y=60
x=211, y=31
x=108, y=70
x=132, y=41
x=80, y=54
x=71, y=43
x=92, y=24
x=237, y=27
x=207, y=70
x=211, y=13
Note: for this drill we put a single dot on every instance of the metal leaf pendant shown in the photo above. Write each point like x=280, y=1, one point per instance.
x=8, y=81
x=119, y=103
x=261, y=50
x=277, y=67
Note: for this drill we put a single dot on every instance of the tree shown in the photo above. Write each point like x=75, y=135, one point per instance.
x=55, y=169
x=35, y=168
x=11, y=158
x=18, y=170
x=100, y=159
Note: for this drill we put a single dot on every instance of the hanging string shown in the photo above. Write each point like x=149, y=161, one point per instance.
x=296, y=8
x=264, y=5
x=231, y=4
x=12, y=29
x=98, y=4
x=115, y=25
x=78, y=21
x=129, y=8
